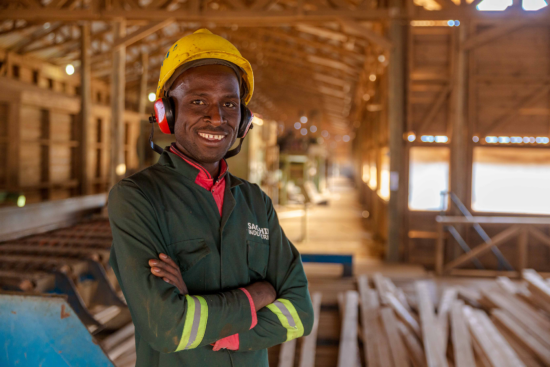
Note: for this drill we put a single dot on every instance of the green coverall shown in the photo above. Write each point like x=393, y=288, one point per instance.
x=162, y=210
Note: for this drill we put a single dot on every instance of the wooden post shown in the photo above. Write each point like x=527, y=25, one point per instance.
x=118, y=167
x=523, y=239
x=85, y=105
x=143, y=125
x=396, y=126
x=439, y=250
x=460, y=142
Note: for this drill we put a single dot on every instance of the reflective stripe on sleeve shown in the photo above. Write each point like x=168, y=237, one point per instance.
x=288, y=317
x=195, y=323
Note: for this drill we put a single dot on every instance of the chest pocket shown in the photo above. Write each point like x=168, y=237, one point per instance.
x=257, y=258
x=188, y=255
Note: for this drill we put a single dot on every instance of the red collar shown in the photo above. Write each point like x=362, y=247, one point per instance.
x=204, y=178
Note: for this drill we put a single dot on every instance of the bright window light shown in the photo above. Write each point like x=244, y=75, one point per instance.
x=511, y=180
x=427, y=138
x=411, y=137
x=491, y=139
x=366, y=173
x=384, y=187
x=297, y=125
x=475, y=139
x=441, y=139
x=69, y=69
x=257, y=121
x=152, y=97
x=346, y=138
x=494, y=5
x=428, y=176
x=534, y=5
x=516, y=139
x=373, y=180
x=21, y=200
x=504, y=139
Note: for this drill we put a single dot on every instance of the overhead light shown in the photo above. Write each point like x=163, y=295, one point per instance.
x=69, y=69
x=303, y=119
x=346, y=138
x=411, y=137
x=475, y=139
x=313, y=128
x=491, y=139
x=504, y=139
x=372, y=77
x=366, y=97
x=120, y=169
x=441, y=139
x=152, y=97
x=533, y=5
x=303, y=131
x=324, y=133
x=427, y=138
x=516, y=139
x=381, y=58
x=297, y=125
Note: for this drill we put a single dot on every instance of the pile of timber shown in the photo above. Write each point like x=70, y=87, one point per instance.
x=501, y=324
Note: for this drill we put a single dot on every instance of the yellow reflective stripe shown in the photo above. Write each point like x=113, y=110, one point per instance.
x=202, y=322
x=287, y=315
x=195, y=323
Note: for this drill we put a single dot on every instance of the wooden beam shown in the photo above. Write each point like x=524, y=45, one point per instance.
x=286, y=354
x=36, y=36
x=462, y=344
x=307, y=352
x=435, y=108
x=322, y=32
x=347, y=353
x=85, y=106
x=354, y=28
x=492, y=34
x=369, y=316
x=496, y=241
x=396, y=343
x=449, y=295
x=118, y=84
x=142, y=33
x=430, y=329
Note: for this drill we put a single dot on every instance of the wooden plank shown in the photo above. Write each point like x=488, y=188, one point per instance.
x=396, y=343
x=462, y=347
x=384, y=350
x=347, y=354
x=483, y=337
x=307, y=352
x=381, y=288
x=492, y=220
x=529, y=359
x=141, y=33
x=118, y=89
x=407, y=317
x=537, y=284
x=449, y=296
x=509, y=354
x=536, y=323
x=521, y=335
x=414, y=348
x=286, y=354
x=369, y=323
x=496, y=241
x=430, y=329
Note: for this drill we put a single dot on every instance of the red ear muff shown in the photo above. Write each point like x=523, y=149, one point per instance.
x=164, y=114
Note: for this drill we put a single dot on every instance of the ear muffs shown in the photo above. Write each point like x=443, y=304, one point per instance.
x=246, y=121
x=164, y=114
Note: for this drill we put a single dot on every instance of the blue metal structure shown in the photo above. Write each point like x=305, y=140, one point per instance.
x=345, y=260
x=38, y=330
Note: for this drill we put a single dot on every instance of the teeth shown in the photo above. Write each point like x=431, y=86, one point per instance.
x=210, y=136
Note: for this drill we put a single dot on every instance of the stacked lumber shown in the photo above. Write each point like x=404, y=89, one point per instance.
x=504, y=323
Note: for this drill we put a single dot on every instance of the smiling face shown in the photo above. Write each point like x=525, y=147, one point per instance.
x=207, y=113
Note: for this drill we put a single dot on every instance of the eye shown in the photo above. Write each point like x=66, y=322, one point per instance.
x=198, y=102
x=229, y=104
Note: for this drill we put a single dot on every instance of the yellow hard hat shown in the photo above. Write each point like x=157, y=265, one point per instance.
x=203, y=44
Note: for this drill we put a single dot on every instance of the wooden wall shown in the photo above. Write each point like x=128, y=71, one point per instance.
x=40, y=128
x=506, y=92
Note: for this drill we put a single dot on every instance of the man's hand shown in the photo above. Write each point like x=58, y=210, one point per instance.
x=262, y=294
x=167, y=269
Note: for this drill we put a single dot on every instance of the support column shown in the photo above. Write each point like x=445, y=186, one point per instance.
x=144, y=123
x=85, y=106
x=460, y=141
x=396, y=127
x=118, y=84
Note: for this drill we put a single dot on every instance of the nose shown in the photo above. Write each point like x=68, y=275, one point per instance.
x=215, y=115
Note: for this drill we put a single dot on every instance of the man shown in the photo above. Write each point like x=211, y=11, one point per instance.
x=209, y=276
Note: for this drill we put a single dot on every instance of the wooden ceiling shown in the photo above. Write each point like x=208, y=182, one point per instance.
x=308, y=55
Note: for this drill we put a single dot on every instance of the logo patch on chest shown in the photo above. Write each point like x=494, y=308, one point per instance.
x=255, y=230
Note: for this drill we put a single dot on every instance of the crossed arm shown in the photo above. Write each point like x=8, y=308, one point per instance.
x=262, y=292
